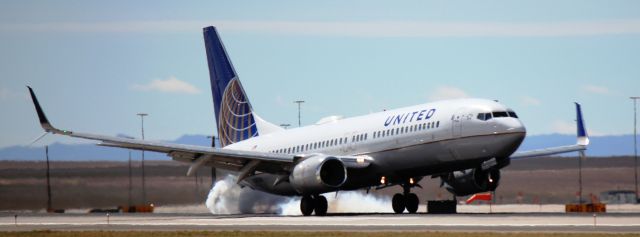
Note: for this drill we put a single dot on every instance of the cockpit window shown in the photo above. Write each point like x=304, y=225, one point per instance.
x=484, y=116
x=499, y=114
x=512, y=114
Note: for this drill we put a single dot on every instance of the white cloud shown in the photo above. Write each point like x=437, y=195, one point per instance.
x=170, y=85
x=5, y=93
x=563, y=127
x=280, y=101
x=601, y=90
x=350, y=28
x=530, y=101
x=447, y=92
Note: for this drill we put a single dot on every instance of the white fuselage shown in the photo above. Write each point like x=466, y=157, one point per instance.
x=407, y=142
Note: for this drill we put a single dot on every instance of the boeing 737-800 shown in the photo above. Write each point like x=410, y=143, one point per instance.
x=463, y=142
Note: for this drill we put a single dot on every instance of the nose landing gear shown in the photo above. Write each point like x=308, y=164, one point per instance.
x=405, y=200
x=317, y=203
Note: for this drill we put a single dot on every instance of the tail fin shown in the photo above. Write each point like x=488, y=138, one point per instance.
x=234, y=115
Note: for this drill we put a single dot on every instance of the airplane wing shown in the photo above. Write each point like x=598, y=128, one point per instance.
x=244, y=162
x=235, y=160
x=581, y=144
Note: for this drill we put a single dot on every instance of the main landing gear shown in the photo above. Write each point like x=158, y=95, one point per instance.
x=405, y=200
x=310, y=203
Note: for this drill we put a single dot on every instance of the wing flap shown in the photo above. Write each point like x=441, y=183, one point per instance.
x=548, y=151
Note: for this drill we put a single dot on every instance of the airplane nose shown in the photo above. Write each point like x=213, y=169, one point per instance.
x=512, y=125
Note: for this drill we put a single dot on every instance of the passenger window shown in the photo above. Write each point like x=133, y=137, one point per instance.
x=438, y=124
x=365, y=136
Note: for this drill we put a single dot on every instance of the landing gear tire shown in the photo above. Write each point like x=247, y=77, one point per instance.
x=307, y=204
x=412, y=202
x=321, y=205
x=398, y=203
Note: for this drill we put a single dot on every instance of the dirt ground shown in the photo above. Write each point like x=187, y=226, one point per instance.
x=105, y=184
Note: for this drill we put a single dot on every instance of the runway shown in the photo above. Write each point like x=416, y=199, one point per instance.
x=534, y=222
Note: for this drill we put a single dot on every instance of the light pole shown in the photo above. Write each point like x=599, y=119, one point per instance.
x=213, y=140
x=635, y=144
x=144, y=191
x=130, y=185
x=299, y=102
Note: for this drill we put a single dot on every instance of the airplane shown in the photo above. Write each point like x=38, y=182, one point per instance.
x=464, y=142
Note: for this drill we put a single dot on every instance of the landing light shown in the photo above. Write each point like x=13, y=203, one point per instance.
x=411, y=181
x=383, y=180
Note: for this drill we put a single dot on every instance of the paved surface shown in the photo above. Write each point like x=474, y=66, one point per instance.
x=538, y=222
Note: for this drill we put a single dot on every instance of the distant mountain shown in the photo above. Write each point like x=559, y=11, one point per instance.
x=600, y=146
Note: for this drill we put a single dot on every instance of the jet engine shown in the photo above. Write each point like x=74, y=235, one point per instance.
x=471, y=181
x=318, y=174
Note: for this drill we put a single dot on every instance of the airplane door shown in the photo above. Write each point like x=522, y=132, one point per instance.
x=457, y=121
x=350, y=145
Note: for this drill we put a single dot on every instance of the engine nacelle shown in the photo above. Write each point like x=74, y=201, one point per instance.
x=318, y=174
x=471, y=181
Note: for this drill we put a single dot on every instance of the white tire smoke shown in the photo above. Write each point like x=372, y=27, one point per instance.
x=227, y=197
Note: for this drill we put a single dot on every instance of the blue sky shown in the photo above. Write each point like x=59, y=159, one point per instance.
x=95, y=64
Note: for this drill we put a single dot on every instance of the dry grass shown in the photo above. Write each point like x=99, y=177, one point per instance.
x=294, y=234
x=104, y=184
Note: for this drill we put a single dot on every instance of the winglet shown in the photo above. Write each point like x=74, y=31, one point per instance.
x=44, y=122
x=583, y=138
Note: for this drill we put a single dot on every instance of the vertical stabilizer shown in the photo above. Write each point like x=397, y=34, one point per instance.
x=234, y=115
